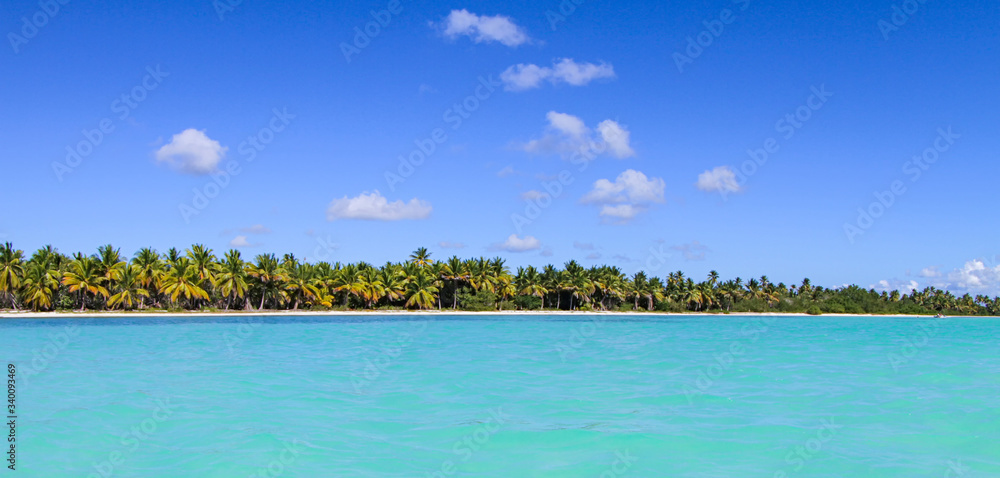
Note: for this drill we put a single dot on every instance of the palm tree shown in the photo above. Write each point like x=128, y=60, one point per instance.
x=577, y=283
x=40, y=282
x=421, y=257
x=393, y=282
x=268, y=276
x=86, y=278
x=529, y=282
x=203, y=262
x=420, y=291
x=456, y=272
x=11, y=272
x=150, y=268
x=183, y=280
x=111, y=262
x=371, y=288
x=129, y=288
x=231, y=278
x=348, y=281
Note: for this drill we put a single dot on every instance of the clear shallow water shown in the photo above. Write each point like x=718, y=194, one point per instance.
x=507, y=396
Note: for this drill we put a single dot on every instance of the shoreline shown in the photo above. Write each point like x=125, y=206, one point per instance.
x=349, y=313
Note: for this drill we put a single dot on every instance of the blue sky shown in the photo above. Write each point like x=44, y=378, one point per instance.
x=652, y=147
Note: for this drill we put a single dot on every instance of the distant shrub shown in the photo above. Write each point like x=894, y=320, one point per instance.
x=834, y=308
x=528, y=302
x=814, y=310
x=481, y=301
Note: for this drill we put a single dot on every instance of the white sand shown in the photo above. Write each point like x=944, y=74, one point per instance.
x=9, y=314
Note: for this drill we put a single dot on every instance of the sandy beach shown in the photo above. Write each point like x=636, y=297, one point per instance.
x=335, y=313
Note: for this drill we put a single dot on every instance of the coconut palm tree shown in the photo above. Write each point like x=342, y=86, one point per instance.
x=529, y=282
x=128, y=288
x=85, y=276
x=11, y=272
x=348, y=282
x=183, y=280
x=421, y=257
x=203, y=262
x=420, y=290
x=150, y=268
x=111, y=262
x=370, y=287
x=268, y=278
x=231, y=278
x=455, y=271
x=39, y=285
x=393, y=282
x=300, y=283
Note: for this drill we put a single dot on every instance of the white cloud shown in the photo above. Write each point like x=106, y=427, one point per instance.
x=523, y=77
x=533, y=195
x=976, y=277
x=240, y=241
x=594, y=255
x=567, y=134
x=904, y=287
x=192, y=152
x=506, y=171
x=451, y=245
x=931, y=271
x=621, y=212
x=695, y=251
x=616, y=138
x=631, y=186
x=484, y=29
x=547, y=252
x=425, y=89
x=375, y=207
x=517, y=244
x=256, y=229
x=583, y=246
x=719, y=179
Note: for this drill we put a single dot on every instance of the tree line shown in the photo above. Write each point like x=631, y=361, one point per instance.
x=197, y=279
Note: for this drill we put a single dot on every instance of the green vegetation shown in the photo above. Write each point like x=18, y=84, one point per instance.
x=198, y=280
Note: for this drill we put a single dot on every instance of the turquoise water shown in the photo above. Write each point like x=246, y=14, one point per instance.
x=506, y=396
